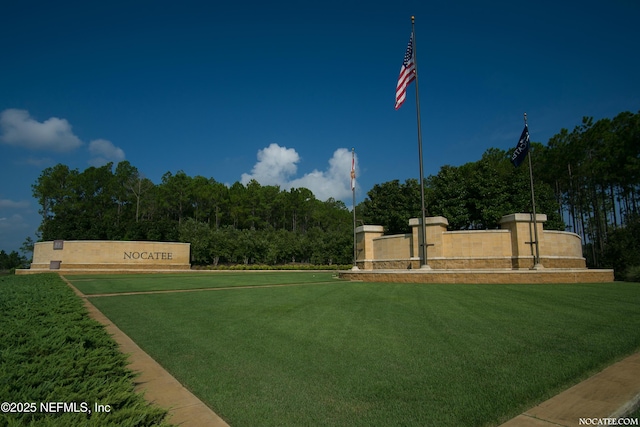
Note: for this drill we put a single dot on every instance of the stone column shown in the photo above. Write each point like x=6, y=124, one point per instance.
x=522, y=238
x=435, y=227
x=364, y=245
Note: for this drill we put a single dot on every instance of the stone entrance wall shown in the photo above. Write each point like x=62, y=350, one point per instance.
x=89, y=255
x=509, y=247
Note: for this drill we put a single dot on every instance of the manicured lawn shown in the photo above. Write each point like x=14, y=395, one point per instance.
x=370, y=354
x=98, y=284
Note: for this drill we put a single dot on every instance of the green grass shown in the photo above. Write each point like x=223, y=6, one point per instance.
x=635, y=415
x=362, y=354
x=51, y=351
x=98, y=284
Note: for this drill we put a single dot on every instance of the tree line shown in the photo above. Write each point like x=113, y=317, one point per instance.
x=11, y=260
x=472, y=196
x=595, y=173
x=225, y=224
x=586, y=181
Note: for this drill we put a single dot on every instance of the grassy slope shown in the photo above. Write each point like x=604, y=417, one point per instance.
x=50, y=351
x=349, y=354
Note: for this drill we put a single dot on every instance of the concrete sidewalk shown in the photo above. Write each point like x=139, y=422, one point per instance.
x=158, y=386
x=611, y=393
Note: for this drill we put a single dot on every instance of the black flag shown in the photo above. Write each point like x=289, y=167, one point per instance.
x=522, y=148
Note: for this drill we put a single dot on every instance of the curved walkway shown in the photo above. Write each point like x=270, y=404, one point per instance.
x=612, y=393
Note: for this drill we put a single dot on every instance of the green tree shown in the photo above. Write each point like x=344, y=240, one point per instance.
x=449, y=194
x=175, y=196
x=27, y=248
x=237, y=205
x=11, y=260
x=77, y=205
x=594, y=171
x=200, y=236
x=53, y=189
x=130, y=189
x=391, y=205
x=94, y=205
x=622, y=249
x=473, y=196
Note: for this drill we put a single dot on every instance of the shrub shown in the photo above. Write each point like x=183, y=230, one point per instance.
x=632, y=274
x=53, y=352
x=291, y=267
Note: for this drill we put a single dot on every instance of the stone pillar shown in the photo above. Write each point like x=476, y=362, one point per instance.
x=435, y=227
x=364, y=245
x=522, y=237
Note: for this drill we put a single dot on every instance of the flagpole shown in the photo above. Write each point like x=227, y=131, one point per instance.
x=536, y=264
x=353, y=195
x=423, y=241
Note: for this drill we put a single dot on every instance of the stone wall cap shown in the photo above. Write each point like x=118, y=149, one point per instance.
x=370, y=229
x=48, y=242
x=522, y=217
x=394, y=236
x=568, y=233
x=430, y=220
x=499, y=230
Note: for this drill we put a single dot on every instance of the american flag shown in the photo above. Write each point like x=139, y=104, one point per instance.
x=407, y=74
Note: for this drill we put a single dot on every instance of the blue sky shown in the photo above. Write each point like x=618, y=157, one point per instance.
x=281, y=91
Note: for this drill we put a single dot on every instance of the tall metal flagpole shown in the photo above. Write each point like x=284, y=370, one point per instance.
x=353, y=194
x=536, y=263
x=423, y=240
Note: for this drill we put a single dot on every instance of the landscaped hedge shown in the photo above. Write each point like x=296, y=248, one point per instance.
x=57, y=364
x=309, y=267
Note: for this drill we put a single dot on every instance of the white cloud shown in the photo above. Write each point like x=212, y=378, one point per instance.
x=276, y=165
x=334, y=182
x=54, y=134
x=11, y=204
x=103, y=152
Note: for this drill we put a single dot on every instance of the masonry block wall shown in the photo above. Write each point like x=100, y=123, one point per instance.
x=510, y=247
x=110, y=255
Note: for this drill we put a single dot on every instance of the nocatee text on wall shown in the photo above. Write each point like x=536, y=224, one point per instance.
x=148, y=255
